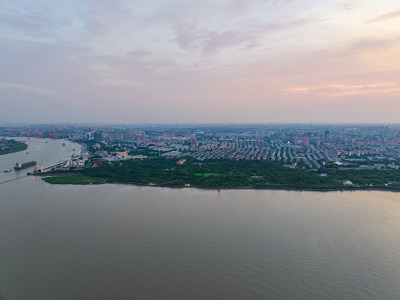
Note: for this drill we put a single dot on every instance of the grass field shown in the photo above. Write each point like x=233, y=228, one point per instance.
x=206, y=174
x=73, y=179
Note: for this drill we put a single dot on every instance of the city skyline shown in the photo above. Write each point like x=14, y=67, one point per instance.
x=230, y=61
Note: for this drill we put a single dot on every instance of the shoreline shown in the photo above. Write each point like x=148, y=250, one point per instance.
x=261, y=188
x=349, y=189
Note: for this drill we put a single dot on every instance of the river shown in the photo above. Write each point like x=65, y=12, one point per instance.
x=127, y=242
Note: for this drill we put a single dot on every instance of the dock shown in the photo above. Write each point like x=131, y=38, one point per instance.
x=59, y=165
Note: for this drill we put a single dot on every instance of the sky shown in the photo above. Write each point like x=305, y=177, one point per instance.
x=192, y=61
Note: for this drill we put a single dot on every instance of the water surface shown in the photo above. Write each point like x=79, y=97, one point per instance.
x=127, y=242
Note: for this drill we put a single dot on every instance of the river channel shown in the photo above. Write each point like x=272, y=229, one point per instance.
x=118, y=241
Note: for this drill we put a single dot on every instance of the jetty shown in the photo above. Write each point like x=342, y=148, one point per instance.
x=62, y=166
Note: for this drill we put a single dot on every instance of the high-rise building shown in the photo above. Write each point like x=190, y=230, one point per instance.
x=296, y=140
x=326, y=135
x=97, y=136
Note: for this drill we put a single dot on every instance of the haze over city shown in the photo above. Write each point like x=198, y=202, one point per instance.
x=199, y=61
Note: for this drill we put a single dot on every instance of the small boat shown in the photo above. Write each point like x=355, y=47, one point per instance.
x=6, y=171
x=63, y=144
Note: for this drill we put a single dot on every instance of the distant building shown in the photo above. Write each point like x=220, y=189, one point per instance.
x=193, y=145
x=122, y=155
x=181, y=161
x=296, y=140
x=326, y=135
x=89, y=135
x=348, y=183
x=306, y=141
x=97, y=136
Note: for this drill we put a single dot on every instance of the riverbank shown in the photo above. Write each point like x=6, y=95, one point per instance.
x=13, y=147
x=73, y=179
x=220, y=174
x=78, y=179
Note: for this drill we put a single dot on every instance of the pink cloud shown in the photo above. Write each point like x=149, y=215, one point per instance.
x=385, y=17
x=216, y=41
x=335, y=90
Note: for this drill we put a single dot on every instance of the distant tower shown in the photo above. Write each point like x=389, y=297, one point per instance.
x=326, y=135
x=296, y=140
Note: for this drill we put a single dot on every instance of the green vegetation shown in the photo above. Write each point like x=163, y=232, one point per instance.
x=13, y=147
x=230, y=174
x=238, y=174
x=206, y=174
x=368, y=178
x=73, y=179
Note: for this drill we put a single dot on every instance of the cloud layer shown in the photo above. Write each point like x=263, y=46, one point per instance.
x=134, y=61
